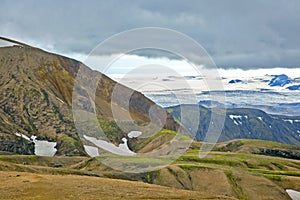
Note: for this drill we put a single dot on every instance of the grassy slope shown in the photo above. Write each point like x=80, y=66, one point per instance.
x=236, y=174
x=247, y=145
x=36, y=186
x=36, y=98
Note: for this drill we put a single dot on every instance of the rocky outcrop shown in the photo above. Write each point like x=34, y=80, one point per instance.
x=18, y=146
x=279, y=153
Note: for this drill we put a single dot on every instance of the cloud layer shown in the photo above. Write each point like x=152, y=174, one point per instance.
x=243, y=34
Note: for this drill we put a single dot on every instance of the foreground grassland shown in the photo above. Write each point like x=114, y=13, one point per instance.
x=20, y=185
x=236, y=174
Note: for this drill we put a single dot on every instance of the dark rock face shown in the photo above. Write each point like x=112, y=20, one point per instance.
x=294, y=87
x=19, y=146
x=279, y=153
x=280, y=80
x=235, y=81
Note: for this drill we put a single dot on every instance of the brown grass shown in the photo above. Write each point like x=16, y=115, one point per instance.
x=23, y=185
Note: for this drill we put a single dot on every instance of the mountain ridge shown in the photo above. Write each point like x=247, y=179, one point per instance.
x=247, y=123
x=36, y=98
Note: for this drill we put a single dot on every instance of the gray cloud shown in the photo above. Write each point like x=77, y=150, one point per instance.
x=246, y=34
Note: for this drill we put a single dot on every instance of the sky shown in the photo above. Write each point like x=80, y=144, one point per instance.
x=235, y=33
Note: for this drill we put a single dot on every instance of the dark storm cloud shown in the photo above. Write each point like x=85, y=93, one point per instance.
x=237, y=33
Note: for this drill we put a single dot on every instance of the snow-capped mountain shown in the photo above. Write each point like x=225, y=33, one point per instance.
x=245, y=123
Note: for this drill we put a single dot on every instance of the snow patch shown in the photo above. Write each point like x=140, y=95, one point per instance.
x=122, y=149
x=22, y=136
x=91, y=151
x=43, y=147
x=237, y=119
x=235, y=116
x=295, y=195
x=260, y=118
x=134, y=134
x=288, y=120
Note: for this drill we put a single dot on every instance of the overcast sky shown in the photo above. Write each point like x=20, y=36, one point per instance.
x=236, y=33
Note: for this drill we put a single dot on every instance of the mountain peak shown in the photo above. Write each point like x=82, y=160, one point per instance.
x=14, y=42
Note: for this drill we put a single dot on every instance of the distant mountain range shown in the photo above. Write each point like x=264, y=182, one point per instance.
x=288, y=109
x=274, y=94
x=247, y=123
